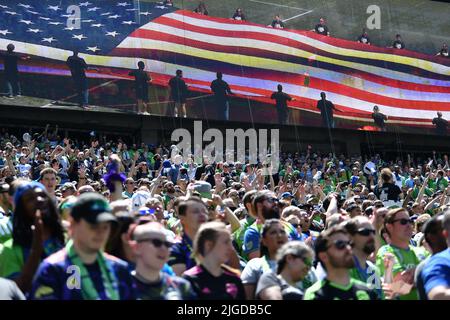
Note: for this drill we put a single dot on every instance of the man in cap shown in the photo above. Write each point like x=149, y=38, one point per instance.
x=68, y=189
x=150, y=243
x=82, y=271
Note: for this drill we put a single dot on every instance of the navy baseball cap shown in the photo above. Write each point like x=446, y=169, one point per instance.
x=92, y=207
x=286, y=195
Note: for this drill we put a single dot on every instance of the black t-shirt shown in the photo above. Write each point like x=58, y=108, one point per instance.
x=326, y=108
x=327, y=290
x=441, y=125
x=271, y=279
x=398, y=44
x=364, y=39
x=178, y=89
x=141, y=78
x=167, y=288
x=10, y=60
x=77, y=67
x=388, y=192
x=379, y=119
x=227, y=286
x=281, y=98
x=444, y=53
x=277, y=24
x=321, y=29
x=220, y=89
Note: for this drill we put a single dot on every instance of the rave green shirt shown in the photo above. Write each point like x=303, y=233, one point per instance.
x=404, y=260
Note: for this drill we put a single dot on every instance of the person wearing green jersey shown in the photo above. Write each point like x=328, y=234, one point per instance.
x=363, y=236
x=399, y=227
x=334, y=251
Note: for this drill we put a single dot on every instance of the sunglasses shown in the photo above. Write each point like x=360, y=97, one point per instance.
x=307, y=261
x=342, y=244
x=365, y=232
x=272, y=200
x=158, y=243
x=403, y=221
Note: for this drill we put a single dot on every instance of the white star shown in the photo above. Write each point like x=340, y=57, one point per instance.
x=113, y=34
x=114, y=16
x=93, y=9
x=106, y=14
x=66, y=15
x=26, y=6
x=11, y=13
x=33, y=12
x=98, y=25
x=44, y=18
x=5, y=32
x=79, y=37
x=4, y=7
x=85, y=4
x=55, y=23
x=128, y=22
x=54, y=8
x=34, y=30
x=49, y=40
x=146, y=13
x=93, y=49
x=27, y=22
x=88, y=21
x=69, y=28
x=123, y=4
x=134, y=9
x=160, y=7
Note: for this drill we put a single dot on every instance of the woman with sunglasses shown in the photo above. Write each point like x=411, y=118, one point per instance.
x=399, y=227
x=150, y=244
x=294, y=261
x=211, y=278
x=273, y=237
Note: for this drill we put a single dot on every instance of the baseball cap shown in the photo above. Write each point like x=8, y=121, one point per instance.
x=204, y=188
x=92, y=207
x=68, y=185
x=286, y=195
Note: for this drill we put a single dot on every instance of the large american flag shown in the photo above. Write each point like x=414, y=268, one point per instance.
x=409, y=87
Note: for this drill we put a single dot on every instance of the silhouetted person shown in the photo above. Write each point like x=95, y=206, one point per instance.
x=281, y=99
x=10, y=59
x=78, y=69
x=141, y=84
x=179, y=92
x=221, y=91
x=326, y=108
x=441, y=124
x=379, y=118
x=364, y=38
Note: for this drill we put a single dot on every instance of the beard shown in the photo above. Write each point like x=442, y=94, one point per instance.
x=345, y=261
x=369, y=247
x=271, y=213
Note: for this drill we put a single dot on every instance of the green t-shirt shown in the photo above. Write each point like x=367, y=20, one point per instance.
x=11, y=260
x=327, y=290
x=404, y=260
x=5, y=229
x=415, y=192
x=238, y=236
x=441, y=184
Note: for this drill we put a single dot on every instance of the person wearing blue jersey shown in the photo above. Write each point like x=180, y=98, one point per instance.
x=81, y=270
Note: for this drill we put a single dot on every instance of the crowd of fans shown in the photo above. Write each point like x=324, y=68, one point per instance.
x=104, y=220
